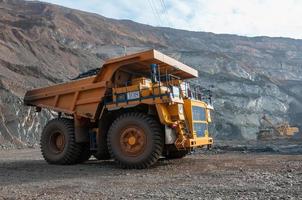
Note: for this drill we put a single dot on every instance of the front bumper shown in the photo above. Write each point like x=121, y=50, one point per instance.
x=198, y=142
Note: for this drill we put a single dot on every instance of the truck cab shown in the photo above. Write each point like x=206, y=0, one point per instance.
x=183, y=108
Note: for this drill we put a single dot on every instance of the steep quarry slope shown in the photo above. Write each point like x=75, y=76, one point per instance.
x=43, y=44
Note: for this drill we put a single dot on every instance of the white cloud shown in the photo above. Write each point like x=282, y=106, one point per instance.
x=244, y=17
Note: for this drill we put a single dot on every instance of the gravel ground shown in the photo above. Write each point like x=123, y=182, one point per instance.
x=202, y=175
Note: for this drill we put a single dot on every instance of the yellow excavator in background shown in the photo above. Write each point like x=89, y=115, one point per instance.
x=268, y=130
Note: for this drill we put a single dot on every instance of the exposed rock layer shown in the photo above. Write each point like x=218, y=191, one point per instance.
x=43, y=44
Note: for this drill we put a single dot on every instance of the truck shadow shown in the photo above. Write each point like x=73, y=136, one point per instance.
x=31, y=171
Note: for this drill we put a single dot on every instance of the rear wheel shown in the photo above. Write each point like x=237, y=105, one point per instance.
x=135, y=140
x=58, y=144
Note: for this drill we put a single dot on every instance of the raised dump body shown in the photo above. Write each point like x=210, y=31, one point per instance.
x=82, y=97
x=137, y=108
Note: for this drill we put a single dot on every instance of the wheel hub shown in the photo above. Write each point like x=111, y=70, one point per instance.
x=57, y=142
x=133, y=141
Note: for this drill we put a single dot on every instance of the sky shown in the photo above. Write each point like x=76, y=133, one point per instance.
x=276, y=18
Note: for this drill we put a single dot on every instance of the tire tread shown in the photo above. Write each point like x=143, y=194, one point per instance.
x=73, y=151
x=158, y=140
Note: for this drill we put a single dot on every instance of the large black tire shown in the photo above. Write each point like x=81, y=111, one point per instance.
x=102, y=152
x=58, y=143
x=141, y=152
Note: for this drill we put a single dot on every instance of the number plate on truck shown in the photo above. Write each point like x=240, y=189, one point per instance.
x=133, y=95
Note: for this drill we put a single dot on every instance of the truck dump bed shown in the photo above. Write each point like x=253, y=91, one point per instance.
x=82, y=97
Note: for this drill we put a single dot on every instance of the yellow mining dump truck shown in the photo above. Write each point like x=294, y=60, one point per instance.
x=136, y=109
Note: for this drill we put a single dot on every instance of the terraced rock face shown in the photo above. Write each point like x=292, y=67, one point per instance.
x=43, y=44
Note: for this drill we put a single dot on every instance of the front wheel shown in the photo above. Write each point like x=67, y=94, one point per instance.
x=135, y=140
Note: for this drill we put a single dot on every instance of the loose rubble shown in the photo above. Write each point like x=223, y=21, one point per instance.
x=212, y=174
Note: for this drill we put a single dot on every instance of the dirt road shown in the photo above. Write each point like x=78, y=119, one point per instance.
x=225, y=175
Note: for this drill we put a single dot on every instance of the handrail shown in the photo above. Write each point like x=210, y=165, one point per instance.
x=190, y=90
x=198, y=92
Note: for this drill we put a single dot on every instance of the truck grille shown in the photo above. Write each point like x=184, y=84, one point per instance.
x=200, y=128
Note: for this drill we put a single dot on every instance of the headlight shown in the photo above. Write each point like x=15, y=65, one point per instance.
x=209, y=119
